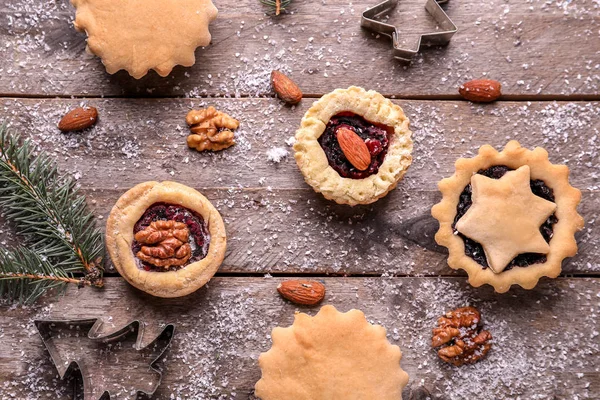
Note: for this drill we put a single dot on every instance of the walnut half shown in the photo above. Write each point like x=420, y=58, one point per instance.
x=165, y=244
x=210, y=129
x=461, y=334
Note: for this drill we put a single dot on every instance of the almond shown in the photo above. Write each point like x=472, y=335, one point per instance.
x=285, y=88
x=481, y=90
x=354, y=148
x=302, y=291
x=78, y=119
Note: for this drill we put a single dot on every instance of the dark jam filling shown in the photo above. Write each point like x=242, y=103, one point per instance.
x=474, y=250
x=199, y=236
x=376, y=138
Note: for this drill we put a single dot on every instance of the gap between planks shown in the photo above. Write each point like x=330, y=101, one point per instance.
x=310, y=275
x=509, y=97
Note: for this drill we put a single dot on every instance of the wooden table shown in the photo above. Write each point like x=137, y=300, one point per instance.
x=379, y=258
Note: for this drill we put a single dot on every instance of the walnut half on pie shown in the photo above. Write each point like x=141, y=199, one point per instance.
x=353, y=146
x=508, y=217
x=165, y=238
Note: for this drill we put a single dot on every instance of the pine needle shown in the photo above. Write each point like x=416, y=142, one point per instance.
x=25, y=276
x=277, y=5
x=50, y=216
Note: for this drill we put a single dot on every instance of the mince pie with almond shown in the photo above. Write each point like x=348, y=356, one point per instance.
x=508, y=217
x=165, y=238
x=353, y=146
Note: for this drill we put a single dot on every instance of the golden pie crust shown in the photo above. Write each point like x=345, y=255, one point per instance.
x=139, y=35
x=119, y=237
x=562, y=244
x=332, y=355
x=313, y=162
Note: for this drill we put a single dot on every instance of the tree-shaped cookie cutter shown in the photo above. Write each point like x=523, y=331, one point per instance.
x=76, y=345
x=438, y=38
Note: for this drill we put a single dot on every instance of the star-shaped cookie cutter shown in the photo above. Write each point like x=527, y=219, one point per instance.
x=433, y=7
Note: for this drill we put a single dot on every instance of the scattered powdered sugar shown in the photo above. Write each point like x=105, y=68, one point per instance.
x=36, y=375
x=571, y=7
x=278, y=231
x=228, y=334
x=247, y=45
x=303, y=231
x=540, y=350
x=276, y=154
x=131, y=149
x=534, y=353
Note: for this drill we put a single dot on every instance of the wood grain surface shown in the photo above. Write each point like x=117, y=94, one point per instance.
x=535, y=48
x=144, y=139
x=222, y=328
x=379, y=258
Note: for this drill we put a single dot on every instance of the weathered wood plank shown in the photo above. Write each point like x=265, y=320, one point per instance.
x=544, y=345
x=144, y=139
x=546, y=340
x=275, y=222
x=534, y=48
x=297, y=231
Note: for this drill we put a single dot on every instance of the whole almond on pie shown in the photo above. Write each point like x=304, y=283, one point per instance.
x=285, y=88
x=354, y=148
x=481, y=90
x=302, y=291
x=78, y=119
x=382, y=126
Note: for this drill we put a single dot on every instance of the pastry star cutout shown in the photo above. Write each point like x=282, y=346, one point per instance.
x=514, y=214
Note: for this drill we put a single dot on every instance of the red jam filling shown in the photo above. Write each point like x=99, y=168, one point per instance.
x=199, y=238
x=377, y=139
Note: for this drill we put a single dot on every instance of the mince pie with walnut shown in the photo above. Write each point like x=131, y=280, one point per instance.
x=353, y=146
x=165, y=238
x=508, y=217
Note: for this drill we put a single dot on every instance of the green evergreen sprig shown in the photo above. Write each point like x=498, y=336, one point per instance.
x=277, y=5
x=59, y=237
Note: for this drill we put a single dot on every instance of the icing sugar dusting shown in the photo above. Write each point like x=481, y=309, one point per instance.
x=276, y=154
x=286, y=227
x=219, y=339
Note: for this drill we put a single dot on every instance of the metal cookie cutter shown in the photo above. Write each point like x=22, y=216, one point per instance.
x=442, y=37
x=110, y=365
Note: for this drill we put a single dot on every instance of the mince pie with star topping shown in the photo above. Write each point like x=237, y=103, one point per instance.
x=165, y=238
x=353, y=146
x=508, y=217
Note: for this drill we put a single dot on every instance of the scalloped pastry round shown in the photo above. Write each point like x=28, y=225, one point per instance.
x=562, y=244
x=119, y=237
x=313, y=162
x=332, y=355
x=140, y=35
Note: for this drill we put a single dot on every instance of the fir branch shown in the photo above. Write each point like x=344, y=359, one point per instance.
x=278, y=5
x=25, y=276
x=47, y=211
